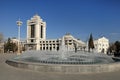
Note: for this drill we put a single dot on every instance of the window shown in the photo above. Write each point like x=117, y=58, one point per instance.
x=40, y=48
x=32, y=40
x=57, y=48
x=47, y=48
x=43, y=48
x=70, y=43
x=65, y=41
x=57, y=45
x=70, y=40
x=32, y=31
x=41, y=31
x=57, y=41
x=50, y=48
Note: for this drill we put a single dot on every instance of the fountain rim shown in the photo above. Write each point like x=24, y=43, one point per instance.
x=39, y=63
x=79, y=59
x=65, y=68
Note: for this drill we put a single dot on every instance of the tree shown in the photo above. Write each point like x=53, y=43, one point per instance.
x=10, y=46
x=1, y=37
x=111, y=49
x=1, y=43
x=117, y=44
x=117, y=49
x=90, y=43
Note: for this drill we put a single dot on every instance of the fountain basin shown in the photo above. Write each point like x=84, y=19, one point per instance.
x=66, y=68
x=74, y=63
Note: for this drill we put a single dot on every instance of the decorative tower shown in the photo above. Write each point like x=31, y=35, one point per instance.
x=36, y=31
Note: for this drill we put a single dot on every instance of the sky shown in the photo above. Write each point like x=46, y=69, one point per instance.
x=80, y=18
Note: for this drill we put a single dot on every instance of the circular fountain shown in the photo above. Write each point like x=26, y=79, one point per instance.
x=64, y=61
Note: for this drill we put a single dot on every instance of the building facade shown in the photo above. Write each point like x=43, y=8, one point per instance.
x=36, y=31
x=36, y=37
x=101, y=45
x=54, y=44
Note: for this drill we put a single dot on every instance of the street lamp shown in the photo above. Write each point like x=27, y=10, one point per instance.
x=19, y=23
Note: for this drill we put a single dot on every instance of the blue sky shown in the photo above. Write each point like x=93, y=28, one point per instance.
x=78, y=17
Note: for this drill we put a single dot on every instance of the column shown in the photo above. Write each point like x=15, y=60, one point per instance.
x=44, y=30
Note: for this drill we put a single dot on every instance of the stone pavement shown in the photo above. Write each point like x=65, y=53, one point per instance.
x=11, y=73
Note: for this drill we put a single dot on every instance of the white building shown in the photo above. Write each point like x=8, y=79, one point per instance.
x=36, y=31
x=14, y=40
x=36, y=37
x=101, y=45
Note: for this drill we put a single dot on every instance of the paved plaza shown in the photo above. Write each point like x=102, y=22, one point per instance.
x=11, y=73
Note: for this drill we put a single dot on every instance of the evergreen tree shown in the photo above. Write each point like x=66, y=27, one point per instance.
x=90, y=43
x=117, y=44
x=111, y=49
x=117, y=49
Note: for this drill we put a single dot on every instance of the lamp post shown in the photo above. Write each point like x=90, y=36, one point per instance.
x=19, y=23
